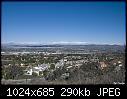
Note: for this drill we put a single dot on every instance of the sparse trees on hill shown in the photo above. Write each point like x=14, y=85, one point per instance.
x=13, y=72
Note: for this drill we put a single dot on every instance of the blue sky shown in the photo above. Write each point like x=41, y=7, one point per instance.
x=48, y=22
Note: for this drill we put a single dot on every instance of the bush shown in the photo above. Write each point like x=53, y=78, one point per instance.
x=52, y=66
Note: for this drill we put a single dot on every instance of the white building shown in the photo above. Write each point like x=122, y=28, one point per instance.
x=59, y=64
x=36, y=69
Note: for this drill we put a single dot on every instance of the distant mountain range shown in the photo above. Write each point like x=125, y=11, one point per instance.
x=53, y=43
x=66, y=45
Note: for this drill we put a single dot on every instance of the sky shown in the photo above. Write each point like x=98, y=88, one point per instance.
x=52, y=22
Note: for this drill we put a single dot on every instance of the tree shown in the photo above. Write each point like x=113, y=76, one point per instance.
x=45, y=73
x=34, y=74
x=52, y=66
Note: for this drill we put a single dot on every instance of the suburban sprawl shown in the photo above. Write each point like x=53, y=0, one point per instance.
x=63, y=64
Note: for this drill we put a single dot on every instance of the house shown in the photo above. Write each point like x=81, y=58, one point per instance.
x=103, y=65
x=28, y=72
x=119, y=62
x=65, y=60
x=65, y=75
x=69, y=67
x=40, y=68
x=59, y=64
x=22, y=65
x=36, y=69
x=120, y=65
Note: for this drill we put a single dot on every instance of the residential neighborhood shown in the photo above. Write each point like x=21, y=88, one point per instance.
x=61, y=66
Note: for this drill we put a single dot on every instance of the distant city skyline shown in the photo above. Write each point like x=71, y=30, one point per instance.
x=64, y=22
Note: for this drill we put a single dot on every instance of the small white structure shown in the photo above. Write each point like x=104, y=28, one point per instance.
x=65, y=60
x=114, y=63
x=119, y=62
x=65, y=75
x=103, y=65
x=120, y=65
x=28, y=72
x=69, y=67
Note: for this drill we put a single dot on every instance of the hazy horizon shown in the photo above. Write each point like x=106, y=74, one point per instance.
x=59, y=43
